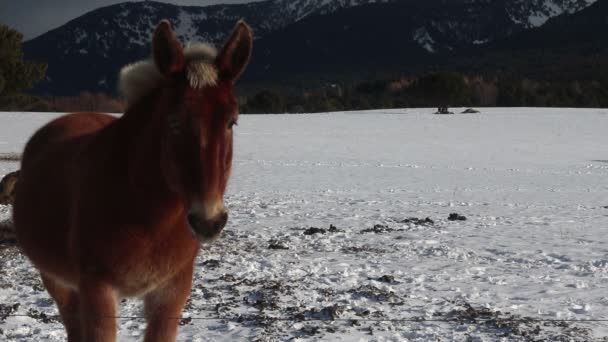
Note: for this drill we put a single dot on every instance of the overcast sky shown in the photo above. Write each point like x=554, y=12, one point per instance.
x=34, y=17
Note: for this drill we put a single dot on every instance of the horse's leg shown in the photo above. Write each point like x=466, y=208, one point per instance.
x=98, y=305
x=67, y=302
x=164, y=305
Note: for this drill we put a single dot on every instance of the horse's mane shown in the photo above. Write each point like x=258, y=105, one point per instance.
x=138, y=79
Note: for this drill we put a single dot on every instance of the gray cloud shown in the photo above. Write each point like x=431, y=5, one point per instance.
x=34, y=17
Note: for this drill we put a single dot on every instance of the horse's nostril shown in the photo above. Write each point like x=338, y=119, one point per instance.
x=193, y=221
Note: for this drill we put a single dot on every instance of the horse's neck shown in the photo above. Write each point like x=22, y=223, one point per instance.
x=144, y=177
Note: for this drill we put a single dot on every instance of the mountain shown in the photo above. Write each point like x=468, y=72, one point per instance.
x=380, y=40
x=293, y=36
x=86, y=53
x=534, y=13
x=567, y=47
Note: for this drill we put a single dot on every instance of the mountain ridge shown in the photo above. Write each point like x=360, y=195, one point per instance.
x=86, y=53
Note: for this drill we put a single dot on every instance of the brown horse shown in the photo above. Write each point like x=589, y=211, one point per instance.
x=109, y=208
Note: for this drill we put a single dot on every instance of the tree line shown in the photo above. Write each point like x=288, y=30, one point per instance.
x=434, y=89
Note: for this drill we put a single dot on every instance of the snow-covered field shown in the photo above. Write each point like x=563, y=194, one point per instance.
x=529, y=263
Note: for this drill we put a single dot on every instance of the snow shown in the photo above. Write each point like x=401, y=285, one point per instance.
x=481, y=41
x=531, y=183
x=187, y=23
x=424, y=39
x=536, y=13
x=80, y=35
x=537, y=19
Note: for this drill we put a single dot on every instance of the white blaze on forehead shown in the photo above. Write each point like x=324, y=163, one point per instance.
x=201, y=70
x=201, y=74
x=138, y=79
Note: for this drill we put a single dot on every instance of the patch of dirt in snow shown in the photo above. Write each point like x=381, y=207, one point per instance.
x=265, y=299
x=514, y=327
x=253, y=289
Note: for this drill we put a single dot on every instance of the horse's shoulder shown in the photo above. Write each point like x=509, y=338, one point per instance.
x=84, y=120
x=71, y=129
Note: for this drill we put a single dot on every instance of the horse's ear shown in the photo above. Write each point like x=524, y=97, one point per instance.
x=233, y=58
x=167, y=50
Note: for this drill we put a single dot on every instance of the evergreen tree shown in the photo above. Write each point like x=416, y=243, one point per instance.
x=16, y=75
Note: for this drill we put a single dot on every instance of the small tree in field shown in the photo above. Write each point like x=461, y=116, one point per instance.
x=16, y=75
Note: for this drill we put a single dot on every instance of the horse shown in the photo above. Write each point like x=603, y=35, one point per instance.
x=111, y=207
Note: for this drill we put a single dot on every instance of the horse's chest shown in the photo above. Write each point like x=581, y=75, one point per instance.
x=143, y=263
x=142, y=278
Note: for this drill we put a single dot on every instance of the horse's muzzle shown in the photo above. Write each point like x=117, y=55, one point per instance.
x=207, y=230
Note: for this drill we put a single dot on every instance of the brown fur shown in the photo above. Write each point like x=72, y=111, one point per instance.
x=137, y=79
x=106, y=208
x=8, y=188
x=7, y=232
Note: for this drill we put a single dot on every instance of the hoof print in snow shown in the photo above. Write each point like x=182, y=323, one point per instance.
x=7, y=310
x=328, y=313
x=211, y=263
x=514, y=327
x=456, y=217
x=378, y=229
x=276, y=244
x=419, y=222
x=314, y=230
x=38, y=287
x=185, y=321
x=333, y=229
x=361, y=312
x=229, y=278
x=262, y=300
x=389, y=279
x=468, y=313
x=310, y=330
x=42, y=317
x=331, y=312
x=363, y=249
x=377, y=294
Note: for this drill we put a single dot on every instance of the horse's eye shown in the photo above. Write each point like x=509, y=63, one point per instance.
x=232, y=123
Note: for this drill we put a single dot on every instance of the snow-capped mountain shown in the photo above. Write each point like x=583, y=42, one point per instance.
x=401, y=37
x=129, y=25
x=566, y=48
x=86, y=53
x=534, y=13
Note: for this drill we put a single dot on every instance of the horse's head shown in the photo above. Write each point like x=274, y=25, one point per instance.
x=196, y=129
